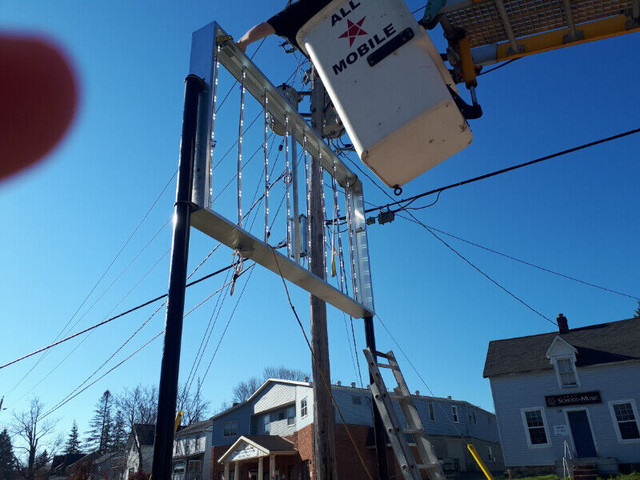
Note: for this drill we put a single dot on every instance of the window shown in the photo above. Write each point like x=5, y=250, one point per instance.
x=266, y=423
x=230, y=428
x=566, y=372
x=291, y=415
x=625, y=417
x=303, y=407
x=490, y=454
x=356, y=400
x=432, y=413
x=454, y=413
x=535, y=427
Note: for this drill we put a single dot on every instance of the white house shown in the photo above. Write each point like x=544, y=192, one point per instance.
x=574, y=392
x=139, y=451
x=192, y=452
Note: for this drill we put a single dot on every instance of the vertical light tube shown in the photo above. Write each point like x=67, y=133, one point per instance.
x=266, y=167
x=287, y=183
x=343, y=278
x=240, y=132
x=350, y=235
x=307, y=175
x=216, y=64
x=324, y=221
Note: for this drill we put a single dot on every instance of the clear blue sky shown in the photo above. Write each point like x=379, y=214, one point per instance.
x=64, y=222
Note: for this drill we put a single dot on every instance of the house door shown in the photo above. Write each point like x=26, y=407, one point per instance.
x=581, y=432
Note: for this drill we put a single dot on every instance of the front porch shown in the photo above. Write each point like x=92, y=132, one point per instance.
x=261, y=457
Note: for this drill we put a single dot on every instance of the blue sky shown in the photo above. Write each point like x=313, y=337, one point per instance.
x=65, y=221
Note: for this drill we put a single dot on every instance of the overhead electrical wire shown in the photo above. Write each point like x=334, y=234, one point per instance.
x=325, y=380
x=64, y=329
x=109, y=320
x=506, y=170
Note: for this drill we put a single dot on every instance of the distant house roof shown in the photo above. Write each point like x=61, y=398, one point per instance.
x=145, y=432
x=61, y=462
x=596, y=344
x=194, y=428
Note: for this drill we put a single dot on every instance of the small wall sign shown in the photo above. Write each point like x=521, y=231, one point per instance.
x=584, y=398
x=560, y=430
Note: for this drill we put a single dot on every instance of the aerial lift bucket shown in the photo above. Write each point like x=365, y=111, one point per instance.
x=389, y=85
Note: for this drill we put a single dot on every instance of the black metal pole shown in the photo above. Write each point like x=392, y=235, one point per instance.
x=168, y=389
x=378, y=426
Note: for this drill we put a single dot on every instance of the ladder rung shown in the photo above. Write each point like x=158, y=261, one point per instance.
x=399, y=397
x=427, y=466
x=412, y=431
x=385, y=365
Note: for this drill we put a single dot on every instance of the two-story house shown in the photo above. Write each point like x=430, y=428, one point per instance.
x=192, y=452
x=571, y=393
x=270, y=434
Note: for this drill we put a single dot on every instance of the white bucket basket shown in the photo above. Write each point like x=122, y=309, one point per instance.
x=389, y=85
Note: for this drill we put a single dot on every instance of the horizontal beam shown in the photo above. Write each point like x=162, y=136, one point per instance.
x=236, y=62
x=216, y=226
x=588, y=32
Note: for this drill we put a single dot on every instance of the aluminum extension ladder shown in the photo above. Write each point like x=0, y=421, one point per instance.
x=410, y=468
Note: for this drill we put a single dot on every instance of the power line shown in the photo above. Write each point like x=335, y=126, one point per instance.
x=504, y=170
x=524, y=262
x=131, y=310
x=62, y=331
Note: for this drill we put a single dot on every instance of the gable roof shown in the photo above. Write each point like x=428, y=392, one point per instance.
x=596, y=344
x=266, y=445
x=146, y=433
x=257, y=392
x=196, y=427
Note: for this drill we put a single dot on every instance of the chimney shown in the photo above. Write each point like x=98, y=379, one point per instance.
x=417, y=392
x=338, y=383
x=563, y=324
x=353, y=384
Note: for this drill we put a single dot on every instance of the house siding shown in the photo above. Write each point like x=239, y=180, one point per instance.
x=617, y=381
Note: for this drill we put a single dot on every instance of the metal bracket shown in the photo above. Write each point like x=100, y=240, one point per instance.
x=469, y=112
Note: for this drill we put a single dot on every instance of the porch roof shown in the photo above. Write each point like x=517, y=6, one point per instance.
x=256, y=446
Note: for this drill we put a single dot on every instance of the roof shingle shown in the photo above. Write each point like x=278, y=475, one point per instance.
x=596, y=344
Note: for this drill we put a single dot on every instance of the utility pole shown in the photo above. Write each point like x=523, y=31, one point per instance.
x=324, y=418
x=168, y=388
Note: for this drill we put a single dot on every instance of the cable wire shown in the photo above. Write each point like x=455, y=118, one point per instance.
x=109, y=320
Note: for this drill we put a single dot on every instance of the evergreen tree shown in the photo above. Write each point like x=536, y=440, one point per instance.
x=73, y=440
x=99, y=436
x=7, y=460
x=42, y=460
x=120, y=434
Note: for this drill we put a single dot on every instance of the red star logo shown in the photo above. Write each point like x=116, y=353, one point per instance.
x=353, y=30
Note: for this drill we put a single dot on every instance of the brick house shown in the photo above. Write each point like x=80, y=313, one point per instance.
x=270, y=434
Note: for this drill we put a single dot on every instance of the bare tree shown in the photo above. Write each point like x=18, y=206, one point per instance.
x=285, y=373
x=30, y=428
x=138, y=406
x=194, y=408
x=243, y=390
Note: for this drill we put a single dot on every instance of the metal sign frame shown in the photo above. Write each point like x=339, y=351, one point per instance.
x=211, y=46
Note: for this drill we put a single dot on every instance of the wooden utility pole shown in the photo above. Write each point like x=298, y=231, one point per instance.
x=324, y=448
